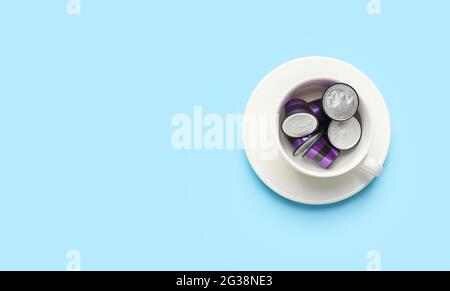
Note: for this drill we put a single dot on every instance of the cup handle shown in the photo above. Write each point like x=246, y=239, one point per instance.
x=371, y=166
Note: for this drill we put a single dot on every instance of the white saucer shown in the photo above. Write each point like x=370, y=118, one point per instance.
x=277, y=173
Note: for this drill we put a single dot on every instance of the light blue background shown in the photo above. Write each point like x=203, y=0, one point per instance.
x=86, y=161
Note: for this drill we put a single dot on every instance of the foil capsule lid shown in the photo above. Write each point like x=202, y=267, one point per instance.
x=340, y=102
x=299, y=121
x=299, y=125
x=303, y=144
x=344, y=135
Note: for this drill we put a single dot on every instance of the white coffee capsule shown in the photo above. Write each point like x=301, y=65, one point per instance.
x=340, y=102
x=344, y=135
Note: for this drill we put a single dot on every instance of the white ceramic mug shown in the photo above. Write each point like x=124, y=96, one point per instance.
x=312, y=89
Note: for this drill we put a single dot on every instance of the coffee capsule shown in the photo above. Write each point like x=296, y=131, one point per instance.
x=340, y=102
x=303, y=144
x=323, y=153
x=299, y=120
x=344, y=135
x=316, y=108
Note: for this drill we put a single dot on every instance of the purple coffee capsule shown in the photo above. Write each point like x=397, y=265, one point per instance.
x=316, y=108
x=299, y=120
x=303, y=144
x=323, y=153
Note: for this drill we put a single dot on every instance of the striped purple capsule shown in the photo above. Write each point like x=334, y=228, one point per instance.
x=323, y=153
x=302, y=144
x=299, y=120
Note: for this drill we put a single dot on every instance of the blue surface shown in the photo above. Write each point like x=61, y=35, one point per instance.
x=86, y=162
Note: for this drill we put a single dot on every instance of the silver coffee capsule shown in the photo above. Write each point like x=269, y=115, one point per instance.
x=303, y=144
x=344, y=135
x=299, y=121
x=340, y=102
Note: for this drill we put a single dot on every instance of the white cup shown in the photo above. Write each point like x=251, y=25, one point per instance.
x=357, y=157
